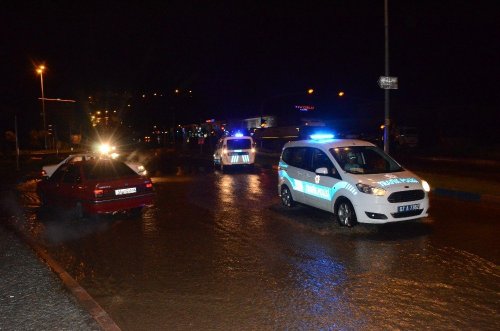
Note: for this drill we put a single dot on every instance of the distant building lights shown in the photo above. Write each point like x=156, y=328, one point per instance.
x=304, y=108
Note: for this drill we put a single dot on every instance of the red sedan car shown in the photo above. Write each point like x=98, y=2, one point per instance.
x=93, y=187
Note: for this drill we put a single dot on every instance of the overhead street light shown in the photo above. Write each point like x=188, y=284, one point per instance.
x=40, y=71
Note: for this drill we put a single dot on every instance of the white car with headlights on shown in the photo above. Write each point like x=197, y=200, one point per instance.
x=353, y=179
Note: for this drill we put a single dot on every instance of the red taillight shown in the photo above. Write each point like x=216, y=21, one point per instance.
x=149, y=185
x=98, y=193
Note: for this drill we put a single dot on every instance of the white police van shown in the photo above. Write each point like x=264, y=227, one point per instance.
x=353, y=179
x=237, y=150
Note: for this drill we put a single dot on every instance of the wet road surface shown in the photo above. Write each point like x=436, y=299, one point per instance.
x=219, y=252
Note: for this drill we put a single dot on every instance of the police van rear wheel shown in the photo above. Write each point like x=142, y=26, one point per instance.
x=345, y=214
x=286, y=197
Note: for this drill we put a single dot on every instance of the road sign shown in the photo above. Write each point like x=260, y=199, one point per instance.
x=388, y=83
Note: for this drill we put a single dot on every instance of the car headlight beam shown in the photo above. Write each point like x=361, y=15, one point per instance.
x=368, y=189
x=104, y=148
x=426, y=186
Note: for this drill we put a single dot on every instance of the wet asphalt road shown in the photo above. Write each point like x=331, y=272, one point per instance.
x=219, y=252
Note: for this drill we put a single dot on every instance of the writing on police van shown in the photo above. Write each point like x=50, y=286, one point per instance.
x=317, y=191
x=394, y=181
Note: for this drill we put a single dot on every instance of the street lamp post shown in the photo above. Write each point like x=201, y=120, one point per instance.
x=387, y=121
x=40, y=72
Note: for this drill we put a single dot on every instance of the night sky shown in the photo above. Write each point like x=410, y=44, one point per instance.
x=235, y=54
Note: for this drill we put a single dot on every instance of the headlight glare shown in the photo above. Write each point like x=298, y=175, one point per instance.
x=104, y=148
x=368, y=189
x=426, y=186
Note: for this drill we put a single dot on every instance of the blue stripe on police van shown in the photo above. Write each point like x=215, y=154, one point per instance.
x=316, y=190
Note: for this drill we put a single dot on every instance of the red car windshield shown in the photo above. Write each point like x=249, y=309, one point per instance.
x=107, y=169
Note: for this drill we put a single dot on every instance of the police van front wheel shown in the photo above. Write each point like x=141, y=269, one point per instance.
x=345, y=214
x=286, y=197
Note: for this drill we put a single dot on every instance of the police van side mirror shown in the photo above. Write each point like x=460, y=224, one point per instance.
x=322, y=171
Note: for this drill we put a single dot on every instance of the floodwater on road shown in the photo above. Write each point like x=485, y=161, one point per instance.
x=218, y=251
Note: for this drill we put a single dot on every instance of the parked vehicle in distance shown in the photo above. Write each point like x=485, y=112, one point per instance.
x=353, y=179
x=406, y=136
x=237, y=150
x=96, y=186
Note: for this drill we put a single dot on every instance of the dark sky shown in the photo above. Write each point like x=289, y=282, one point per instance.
x=234, y=54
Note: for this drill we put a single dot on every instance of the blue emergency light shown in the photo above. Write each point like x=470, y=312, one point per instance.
x=322, y=136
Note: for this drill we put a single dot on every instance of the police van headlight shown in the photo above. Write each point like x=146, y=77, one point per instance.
x=426, y=186
x=368, y=189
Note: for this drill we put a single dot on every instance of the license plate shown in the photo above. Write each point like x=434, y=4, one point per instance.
x=408, y=208
x=125, y=191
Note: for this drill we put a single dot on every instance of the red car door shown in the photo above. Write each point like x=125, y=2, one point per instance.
x=71, y=187
x=50, y=187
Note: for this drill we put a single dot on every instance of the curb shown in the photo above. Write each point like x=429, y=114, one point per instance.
x=461, y=195
x=102, y=318
x=468, y=196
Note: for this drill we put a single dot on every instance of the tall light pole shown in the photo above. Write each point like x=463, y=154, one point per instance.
x=387, y=121
x=40, y=70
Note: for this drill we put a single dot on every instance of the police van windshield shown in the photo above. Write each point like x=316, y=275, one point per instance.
x=233, y=144
x=364, y=160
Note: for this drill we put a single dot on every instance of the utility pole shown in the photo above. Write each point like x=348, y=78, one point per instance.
x=40, y=70
x=387, y=121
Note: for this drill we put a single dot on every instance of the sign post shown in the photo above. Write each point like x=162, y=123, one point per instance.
x=387, y=83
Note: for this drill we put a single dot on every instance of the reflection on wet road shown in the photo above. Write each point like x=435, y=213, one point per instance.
x=219, y=252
